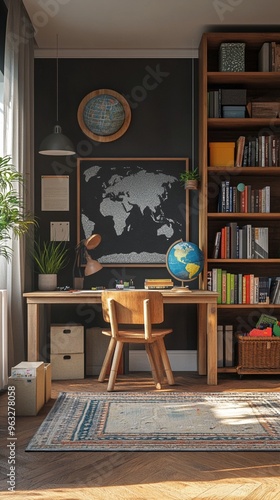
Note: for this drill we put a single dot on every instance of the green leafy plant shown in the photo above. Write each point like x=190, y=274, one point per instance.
x=190, y=175
x=50, y=257
x=13, y=219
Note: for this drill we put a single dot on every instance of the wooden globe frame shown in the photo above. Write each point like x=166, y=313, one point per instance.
x=122, y=129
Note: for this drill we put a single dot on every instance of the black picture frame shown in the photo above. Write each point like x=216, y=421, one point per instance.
x=138, y=204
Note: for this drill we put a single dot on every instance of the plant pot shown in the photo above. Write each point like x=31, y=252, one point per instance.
x=47, y=282
x=191, y=184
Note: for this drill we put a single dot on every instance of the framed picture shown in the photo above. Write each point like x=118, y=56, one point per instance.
x=104, y=115
x=138, y=206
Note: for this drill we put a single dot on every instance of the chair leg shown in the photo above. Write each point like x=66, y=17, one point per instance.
x=166, y=362
x=115, y=366
x=155, y=372
x=107, y=360
x=158, y=360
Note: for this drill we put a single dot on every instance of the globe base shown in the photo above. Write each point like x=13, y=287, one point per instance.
x=182, y=288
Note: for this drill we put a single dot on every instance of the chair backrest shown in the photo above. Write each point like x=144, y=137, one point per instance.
x=132, y=307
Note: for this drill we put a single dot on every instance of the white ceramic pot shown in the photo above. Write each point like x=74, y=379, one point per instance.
x=47, y=282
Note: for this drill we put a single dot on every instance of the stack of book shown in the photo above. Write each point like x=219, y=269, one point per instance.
x=158, y=284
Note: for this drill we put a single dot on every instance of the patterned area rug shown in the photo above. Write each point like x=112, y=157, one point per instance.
x=175, y=421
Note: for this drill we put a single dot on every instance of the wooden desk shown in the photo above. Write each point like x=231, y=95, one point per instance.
x=207, y=321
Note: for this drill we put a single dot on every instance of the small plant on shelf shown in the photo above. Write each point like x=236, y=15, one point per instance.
x=190, y=178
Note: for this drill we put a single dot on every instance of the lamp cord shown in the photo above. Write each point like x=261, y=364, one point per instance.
x=57, y=78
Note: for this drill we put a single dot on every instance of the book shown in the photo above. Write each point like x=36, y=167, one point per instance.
x=220, y=346
x=264, y=289
x=260, y=243
x=228, y=339
x=274, y=289
x=240, y=143
x=217, y=245
x=263, y=57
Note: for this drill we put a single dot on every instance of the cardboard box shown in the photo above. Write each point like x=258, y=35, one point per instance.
x=221, y=154
x=66, y=339
x=232, y=56
x=67, y=366
x=29, y=390
x=48, y=381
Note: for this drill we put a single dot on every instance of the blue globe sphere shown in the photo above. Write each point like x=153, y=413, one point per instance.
x=184, y=260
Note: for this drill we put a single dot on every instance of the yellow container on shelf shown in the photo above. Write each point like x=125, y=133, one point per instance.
x=221, y=154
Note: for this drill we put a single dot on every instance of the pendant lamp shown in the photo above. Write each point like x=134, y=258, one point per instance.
x=56, y=144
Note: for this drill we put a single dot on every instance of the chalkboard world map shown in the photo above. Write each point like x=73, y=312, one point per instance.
x=136, y=206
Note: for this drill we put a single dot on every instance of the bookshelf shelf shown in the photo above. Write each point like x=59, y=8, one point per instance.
x=241, y=123
x=260, y=86
x=247, y=216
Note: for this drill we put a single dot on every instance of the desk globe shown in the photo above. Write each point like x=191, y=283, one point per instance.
x=184, y=261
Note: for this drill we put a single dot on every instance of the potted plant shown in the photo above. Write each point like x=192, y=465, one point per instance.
x=190, y=178
x=13, y=219
x=50, y=257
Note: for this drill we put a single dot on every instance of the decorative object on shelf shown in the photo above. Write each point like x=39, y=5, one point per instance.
x=50, y=258
x=57, y=144
x=222, y=154
x=13, y=219
x=232, y=57
x=190, y=178
x=104, y=115
x=82, y=255
x=184, y=261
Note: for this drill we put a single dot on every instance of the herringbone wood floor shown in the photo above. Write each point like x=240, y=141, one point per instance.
x=140, y=476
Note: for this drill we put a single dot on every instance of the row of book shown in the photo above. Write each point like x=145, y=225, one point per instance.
x=269, y=57
x=247, y=242
x=225, y=346
x=240, y=288
x=243, y=198
x=257, y=151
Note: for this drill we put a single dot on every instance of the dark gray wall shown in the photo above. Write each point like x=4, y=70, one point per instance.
x=163, y=95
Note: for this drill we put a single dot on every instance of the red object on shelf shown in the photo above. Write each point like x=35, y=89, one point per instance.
x=257, y=332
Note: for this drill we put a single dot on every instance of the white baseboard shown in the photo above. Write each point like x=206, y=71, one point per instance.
x=181, y=361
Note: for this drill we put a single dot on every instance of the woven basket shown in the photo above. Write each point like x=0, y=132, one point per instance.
x=259, y=352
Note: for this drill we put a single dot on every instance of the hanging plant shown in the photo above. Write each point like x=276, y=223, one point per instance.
x=190, y=179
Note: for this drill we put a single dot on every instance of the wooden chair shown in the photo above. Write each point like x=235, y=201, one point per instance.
x=135, y=307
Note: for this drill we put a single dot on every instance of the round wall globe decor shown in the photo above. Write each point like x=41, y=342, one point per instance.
x=104, y=115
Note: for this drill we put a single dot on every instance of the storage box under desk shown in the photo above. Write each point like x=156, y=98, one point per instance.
x=67, y=339
x=67, y=366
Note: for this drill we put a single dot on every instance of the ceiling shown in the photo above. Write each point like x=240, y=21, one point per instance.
x=137, y=28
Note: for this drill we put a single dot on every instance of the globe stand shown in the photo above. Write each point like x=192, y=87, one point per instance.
x=183, y=288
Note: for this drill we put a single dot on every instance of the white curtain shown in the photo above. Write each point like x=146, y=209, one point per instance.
x=15, y=276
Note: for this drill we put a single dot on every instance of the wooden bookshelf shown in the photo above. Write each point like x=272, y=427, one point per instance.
x=257, y=83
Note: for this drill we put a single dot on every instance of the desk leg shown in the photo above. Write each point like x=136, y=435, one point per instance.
x=202, y=338
x=212, y=378
x=33, y=332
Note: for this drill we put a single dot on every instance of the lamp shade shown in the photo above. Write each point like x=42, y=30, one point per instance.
x=56, y=144
x=92, y=266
